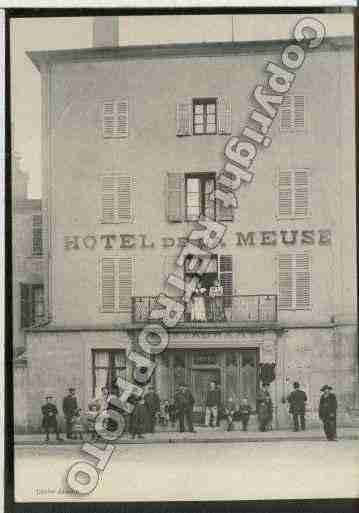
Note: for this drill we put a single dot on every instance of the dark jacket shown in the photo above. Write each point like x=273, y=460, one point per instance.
x=245, y=410
x=297, y=400
x=213, y=398
x=328, y=407
x=184, y=401
x=69, y=406
x=152, y=402
x=49, y=412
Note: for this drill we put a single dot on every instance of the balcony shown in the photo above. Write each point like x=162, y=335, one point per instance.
x=243, y=308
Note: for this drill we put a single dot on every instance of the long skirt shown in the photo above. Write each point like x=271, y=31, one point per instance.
x=198, y=312
x=216, y=309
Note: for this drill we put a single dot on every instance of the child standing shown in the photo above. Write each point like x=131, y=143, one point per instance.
x=78, y=426
x=230, y=411
x=91, y=416
x=138, y=419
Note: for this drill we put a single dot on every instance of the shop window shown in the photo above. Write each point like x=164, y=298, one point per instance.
x=32, y=304
x=294, y=281
x=37, y=235
x=293, y=193
x=107, y=366
x=188, y=197
x=115, y=119
x=116, y=284
x=117, y=198
x=204, y=116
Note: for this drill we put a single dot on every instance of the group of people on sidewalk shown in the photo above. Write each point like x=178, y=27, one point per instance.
x=149, y=410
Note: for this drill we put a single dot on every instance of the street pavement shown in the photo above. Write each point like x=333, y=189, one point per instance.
x=287, y=469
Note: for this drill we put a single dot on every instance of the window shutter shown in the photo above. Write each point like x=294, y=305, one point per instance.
x=115, y=119
x=184, y=118
x=108, y=285
x=125, y=284
x=299, y=112
x=37, y=235
x=25, y=305
x=301, y=192
x=175, y=197
x=226, y=278
x=124, y=198
x=108, y=198
x=285, y=282
x=286, y=113
x=224, y=116
x=303, y=278
x=285, y=199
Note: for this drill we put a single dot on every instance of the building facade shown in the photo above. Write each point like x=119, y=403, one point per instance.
x=133, y=141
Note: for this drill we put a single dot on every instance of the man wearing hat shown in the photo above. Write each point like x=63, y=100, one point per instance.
x=152, y=402
x=49, y=421
x=69, y=406
x=184, y=408
x=297, y=399
x=328, y=412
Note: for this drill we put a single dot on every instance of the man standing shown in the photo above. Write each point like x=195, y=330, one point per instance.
x=213, y=399
x=152, y=402
x=297, y=399
x=264, y=408
x=328, y=412
x=184, y=407
x=49, y=421
x=69, y=406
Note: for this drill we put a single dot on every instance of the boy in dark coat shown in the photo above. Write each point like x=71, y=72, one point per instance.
x=328, y=412
x=69, y=406
x=152, y=401
x=49, y=421
x=297, y=399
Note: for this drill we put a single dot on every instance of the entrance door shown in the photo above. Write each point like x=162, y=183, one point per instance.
x=201, y=379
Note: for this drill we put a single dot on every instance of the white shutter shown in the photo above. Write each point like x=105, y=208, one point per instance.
x=184, y=118
x=285, y=281
x=115, y=118
x=125, y=284
x=108, y=284
x=108, y=198
x=286, y=110
x=224, y=116
x=301, y=192
x=124, y=198
x=299, y=112
x=302, y=281
x=226, y=278
x=175, y=197
x=292, y=113
x=285, y=193
x=116, y=284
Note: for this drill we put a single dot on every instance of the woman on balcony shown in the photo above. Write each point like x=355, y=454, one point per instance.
x=198, y=307
x=216, y=304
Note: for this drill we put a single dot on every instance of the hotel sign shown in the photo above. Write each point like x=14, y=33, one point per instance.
x=115, y=241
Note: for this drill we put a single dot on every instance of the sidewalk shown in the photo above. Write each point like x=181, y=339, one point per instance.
x=203, y=435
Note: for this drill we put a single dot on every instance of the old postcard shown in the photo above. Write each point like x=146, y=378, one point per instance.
x=184, y=257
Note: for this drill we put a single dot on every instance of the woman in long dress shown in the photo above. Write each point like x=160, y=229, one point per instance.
x=198, y=310
x=216, y=304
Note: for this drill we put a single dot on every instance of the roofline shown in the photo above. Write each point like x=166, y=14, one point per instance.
x=47, y=57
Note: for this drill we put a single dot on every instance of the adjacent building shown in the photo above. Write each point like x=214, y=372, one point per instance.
x=133, y=141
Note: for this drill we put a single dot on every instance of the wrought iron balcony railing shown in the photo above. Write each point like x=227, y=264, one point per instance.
x=242, y=308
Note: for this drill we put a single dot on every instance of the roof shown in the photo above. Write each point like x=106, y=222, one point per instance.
x=174, y=50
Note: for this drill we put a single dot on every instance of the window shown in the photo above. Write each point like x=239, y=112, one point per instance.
x=220, y=268
x=107, y=366
x=294, y=281
x=32, y=304
x=188, y=197
x=293, y=193
x=117, y=198
x=198, y=191
x=292, y=113
x=204, y=116
x=116, y=284
x=37, y=235
x=115, y=119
